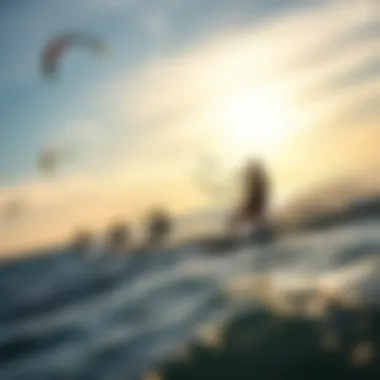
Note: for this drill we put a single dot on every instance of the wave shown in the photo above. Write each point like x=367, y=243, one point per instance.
x=66, y=316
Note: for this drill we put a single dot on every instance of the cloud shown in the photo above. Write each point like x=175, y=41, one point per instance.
x=76, y=133
x=152, y=16
x=349, y=153
x=180, y=91
x=155, y=21
x=170, y=100
x=109, y=4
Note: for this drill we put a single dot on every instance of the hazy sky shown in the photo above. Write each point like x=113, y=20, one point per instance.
x=296, y=82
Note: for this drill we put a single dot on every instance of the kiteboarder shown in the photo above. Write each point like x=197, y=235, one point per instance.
x=159, y=227
x=118, y=236
x=82, y=240
x=254, y=205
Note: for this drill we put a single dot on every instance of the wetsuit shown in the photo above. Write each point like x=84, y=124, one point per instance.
x=160, y=226
x=255, y=197
x=118, y=236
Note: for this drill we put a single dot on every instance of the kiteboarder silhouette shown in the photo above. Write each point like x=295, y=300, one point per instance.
x=254, y=206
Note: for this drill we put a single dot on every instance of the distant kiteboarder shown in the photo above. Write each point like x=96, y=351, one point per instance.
x=118, y=237
x=159, y=227
x=82, y=240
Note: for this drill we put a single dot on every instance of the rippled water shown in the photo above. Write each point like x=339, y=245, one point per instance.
x=67, y=316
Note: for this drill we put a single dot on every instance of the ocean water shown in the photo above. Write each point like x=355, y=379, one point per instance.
x=65, y=315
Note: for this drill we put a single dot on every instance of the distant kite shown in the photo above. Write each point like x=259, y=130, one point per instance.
x=48, y=161
x=12, y=210
x=59, y=45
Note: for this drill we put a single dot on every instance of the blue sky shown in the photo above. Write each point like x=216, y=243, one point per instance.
x=177, y=72
x=31, y=107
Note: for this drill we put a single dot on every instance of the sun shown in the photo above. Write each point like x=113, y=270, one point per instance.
x=256, y=121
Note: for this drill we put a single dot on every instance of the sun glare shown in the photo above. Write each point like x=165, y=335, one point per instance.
x=256, y=121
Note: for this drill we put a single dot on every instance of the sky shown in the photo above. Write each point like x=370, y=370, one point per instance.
x=294, y=82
